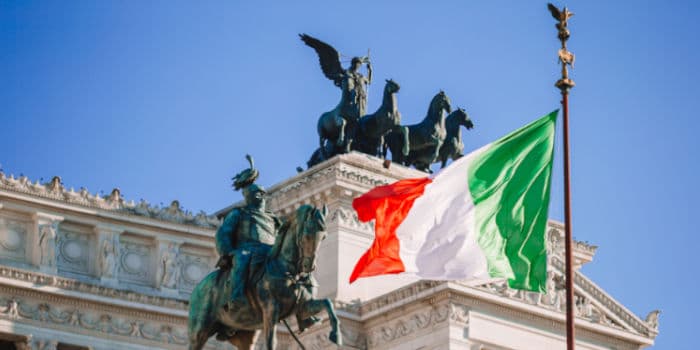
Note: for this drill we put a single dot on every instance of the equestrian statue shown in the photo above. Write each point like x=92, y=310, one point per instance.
x=338, y=126
x=264, y=273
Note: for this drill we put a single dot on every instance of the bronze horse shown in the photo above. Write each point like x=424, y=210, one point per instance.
x=281, y=290
x=453, y=146
x=337, y=126
x=374, y=127
x=425, y=138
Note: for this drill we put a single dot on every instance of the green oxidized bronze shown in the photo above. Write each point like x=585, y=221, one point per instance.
x=339, y=125
x=347, y=127
x=264, y=273
x=425, y=138
x=453, y=147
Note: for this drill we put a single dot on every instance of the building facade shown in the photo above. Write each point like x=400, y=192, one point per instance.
x=83, y=271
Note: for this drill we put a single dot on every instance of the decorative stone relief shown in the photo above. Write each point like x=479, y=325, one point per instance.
x=13, y=239
x=459, y=313
x=555, y=299
x=193, y=267
x=74, y=251
x=404, y=326
x=47, y=245
x=169, y=266
x=108, y=256
x=348, y=218
x=93, y=321
x=319, y=340
x=136, y=262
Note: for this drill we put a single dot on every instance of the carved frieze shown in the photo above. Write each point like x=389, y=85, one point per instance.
x=413, y=323
x=92, y=321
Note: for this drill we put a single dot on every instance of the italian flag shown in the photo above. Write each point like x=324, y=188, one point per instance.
x=482, y=217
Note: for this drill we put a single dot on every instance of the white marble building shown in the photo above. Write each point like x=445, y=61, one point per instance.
x=80, y=271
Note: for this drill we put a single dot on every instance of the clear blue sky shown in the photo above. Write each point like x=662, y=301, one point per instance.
x=163, y=99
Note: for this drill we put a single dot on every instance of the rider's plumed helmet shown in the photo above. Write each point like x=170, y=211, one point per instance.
x=245, y=177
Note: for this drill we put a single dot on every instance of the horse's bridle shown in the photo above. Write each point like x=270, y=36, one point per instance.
x=300, y=248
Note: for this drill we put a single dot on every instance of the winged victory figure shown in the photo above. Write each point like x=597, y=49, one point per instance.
x=338, y=125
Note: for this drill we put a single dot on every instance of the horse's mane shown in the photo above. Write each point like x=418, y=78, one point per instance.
x=290, y=226
x=437, y=114
x=452, y=118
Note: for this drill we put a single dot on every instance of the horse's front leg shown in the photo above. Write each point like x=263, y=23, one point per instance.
x=380, y=147
x=270, y=319
x=315, y=306
x=436, y=151
x=340, y=124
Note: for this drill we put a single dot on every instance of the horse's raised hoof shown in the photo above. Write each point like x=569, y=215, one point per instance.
x=308, y=323
x=336, y=337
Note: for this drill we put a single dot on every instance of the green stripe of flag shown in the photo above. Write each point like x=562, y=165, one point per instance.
x=510, y=184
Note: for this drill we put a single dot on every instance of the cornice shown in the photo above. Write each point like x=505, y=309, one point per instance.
x=595, y=310
x=114, y=202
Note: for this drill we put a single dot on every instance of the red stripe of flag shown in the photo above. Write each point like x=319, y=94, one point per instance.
x=388, y=205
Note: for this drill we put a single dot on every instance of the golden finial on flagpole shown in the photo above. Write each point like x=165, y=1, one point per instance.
x=566, y=57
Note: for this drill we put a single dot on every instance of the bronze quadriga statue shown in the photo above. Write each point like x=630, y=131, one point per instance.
x=347, y=128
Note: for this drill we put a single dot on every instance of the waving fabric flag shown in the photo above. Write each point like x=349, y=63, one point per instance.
x=482, y=217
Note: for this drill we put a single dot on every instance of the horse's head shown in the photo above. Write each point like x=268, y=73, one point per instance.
x=439, y=103
x=462, y=118
x=391, y=86
x=311, y=230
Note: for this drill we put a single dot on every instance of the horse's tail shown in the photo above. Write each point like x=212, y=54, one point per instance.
x=203, y=304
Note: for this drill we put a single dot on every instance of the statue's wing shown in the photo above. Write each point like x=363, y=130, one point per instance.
x=555, y=11
x=327, y=56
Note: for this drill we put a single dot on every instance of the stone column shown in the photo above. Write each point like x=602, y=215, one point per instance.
x=168, y=266
x=43, y=242
x=107, y=253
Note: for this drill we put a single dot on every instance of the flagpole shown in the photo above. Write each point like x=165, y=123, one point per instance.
x=564, y=85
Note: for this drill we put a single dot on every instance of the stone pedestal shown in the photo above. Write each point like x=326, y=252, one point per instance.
x=336, y=183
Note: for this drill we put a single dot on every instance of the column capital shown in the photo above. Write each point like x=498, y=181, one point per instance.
x=46, y=218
